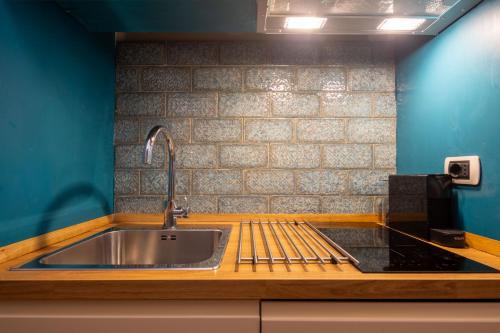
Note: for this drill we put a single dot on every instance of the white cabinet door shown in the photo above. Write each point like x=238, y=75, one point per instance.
x=383, y=317
x=129, y=316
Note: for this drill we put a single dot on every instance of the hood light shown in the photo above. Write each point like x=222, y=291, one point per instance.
x=401, y=24
x=305, y=22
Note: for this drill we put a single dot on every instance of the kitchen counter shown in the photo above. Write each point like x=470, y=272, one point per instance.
x=232, y=281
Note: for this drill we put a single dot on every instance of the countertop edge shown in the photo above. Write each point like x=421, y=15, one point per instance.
x=380, y=289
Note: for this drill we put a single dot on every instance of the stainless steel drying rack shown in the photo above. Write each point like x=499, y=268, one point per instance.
x=289, y=228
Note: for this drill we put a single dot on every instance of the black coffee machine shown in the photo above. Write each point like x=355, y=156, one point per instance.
x=420, y=204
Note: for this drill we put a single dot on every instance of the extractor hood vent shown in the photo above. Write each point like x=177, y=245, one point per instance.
x=361, y=17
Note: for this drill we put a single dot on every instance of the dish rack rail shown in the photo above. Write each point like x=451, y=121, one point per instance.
x=288, y=242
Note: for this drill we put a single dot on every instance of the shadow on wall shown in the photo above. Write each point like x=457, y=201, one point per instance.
x=57, y=143
x=78, y=191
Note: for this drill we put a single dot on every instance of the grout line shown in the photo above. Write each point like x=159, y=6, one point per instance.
x=165, y=52
x=191, y=78
x=165, y=103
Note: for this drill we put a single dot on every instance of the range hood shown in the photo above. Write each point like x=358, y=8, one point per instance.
x=359, y=17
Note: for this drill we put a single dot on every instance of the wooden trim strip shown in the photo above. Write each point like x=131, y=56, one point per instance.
x=481, y=243
x=287, y=288
x=18, y=249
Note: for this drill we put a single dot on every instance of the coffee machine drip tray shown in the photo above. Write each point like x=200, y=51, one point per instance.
x=380, y=249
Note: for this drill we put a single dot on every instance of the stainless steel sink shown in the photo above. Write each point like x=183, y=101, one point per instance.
x=186, y=248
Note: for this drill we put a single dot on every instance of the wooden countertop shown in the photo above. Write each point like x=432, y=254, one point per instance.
x=229, y=281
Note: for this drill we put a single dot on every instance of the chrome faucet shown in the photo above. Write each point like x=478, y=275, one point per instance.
x=171, y=211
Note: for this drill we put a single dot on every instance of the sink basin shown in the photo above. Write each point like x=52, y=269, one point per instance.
x=186, y=248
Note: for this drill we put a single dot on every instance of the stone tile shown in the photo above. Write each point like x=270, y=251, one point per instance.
x=179, y=129
x=371, y=95
x=202, y=203
x=247, y=204
x=320, y=130
x=192, y=53
x=243, y=53
x=126, y=182
x=347, y=156
x=370, y=182
x=384, y=105
x=295, y=205
x=196, y=156
x=321, y=78
x=294, y=105
x=192, y=105
x=269, y=181
x=143, y=204
x=131, y=53
x=132, y=156
x=217, y=182
x=126, y=131
x=292, y=53
x=295, y=156
x=346, y=105
x=217, y=78
x=166, y=79
x=345, y=53
x=371, y=130
x=346, y=205
x=267, y=130
x=182, y=183
x=243, y=156
x=156, y=182
x=322, y=182
x=243, y=105
x=127, y=79
x=217, y=130
x=269, y=78
x=384, y=156
x=140, y=104
x=372, y=79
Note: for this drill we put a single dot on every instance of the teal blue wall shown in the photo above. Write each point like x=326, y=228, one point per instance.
x=165, y=15
x=56, y=126
x=449, y=104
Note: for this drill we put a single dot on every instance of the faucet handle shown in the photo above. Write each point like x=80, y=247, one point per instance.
x=181, y=211
x=186, y=207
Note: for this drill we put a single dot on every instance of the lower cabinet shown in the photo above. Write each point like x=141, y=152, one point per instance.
x=129, y=316
x=248, y=317
x=386, y=317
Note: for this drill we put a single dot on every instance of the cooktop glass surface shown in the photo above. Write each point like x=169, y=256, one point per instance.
x=381, y=250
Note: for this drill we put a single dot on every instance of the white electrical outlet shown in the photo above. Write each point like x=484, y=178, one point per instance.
x=464, y=170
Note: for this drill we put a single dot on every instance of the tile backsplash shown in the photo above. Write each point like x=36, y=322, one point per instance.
x=259, y=126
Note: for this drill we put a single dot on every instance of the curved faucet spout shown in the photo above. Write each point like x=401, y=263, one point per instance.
x=171, y=211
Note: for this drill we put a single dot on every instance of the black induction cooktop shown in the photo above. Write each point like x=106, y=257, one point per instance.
x=380, y=249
